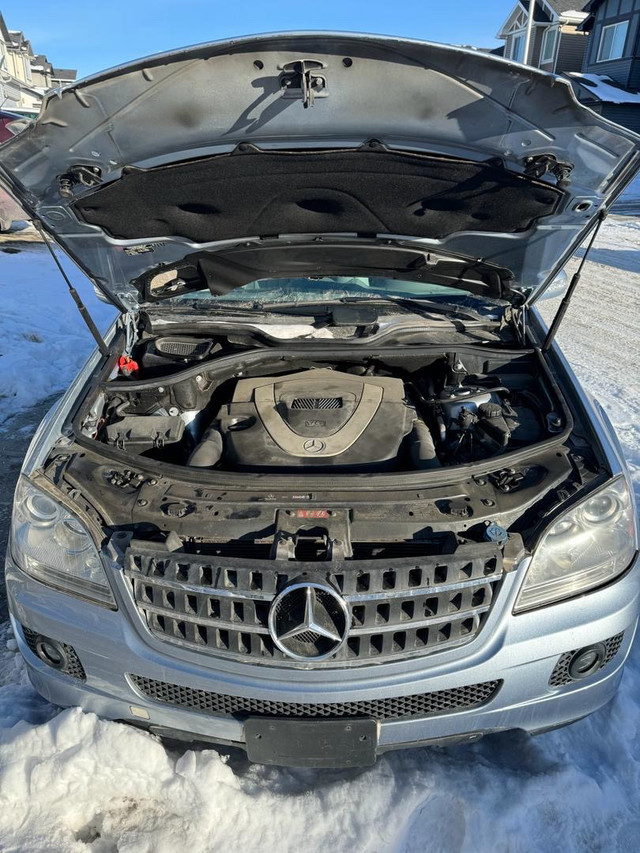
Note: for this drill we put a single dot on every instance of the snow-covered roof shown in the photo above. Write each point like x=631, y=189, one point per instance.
x=573, y=16
x=604, y=88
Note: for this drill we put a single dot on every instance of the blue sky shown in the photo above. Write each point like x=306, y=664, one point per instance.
x=94, y=34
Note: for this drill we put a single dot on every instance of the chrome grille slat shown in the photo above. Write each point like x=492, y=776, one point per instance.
x=422, y=623
x=398, y=606
x=409, y=593
x=205, y=620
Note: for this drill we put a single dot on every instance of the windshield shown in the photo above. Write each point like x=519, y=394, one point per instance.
x=329, y=288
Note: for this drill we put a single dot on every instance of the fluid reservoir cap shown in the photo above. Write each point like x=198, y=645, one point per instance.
x=495, y=533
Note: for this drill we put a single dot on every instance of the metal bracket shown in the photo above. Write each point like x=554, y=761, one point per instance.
x=507, y=479
x=332, y=525
x=301, y=79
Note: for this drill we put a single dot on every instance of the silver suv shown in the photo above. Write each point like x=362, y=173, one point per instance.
x=327, y=487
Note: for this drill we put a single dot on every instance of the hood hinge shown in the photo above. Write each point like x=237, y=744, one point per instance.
x=130, y=323
x=515, y=318
x=86, y=176
x=541, y=164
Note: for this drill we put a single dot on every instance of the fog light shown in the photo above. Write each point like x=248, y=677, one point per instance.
x=587, y=661
x=55, y=654
x=51, y=652
x=581, y=663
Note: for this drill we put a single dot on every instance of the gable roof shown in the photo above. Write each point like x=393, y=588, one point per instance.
x=65, y=73
x=545, y=12
x=567, y=5
x=41, y=63
x=591, y=9
x=3, y=29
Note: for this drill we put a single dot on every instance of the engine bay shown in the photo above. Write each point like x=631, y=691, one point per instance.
x=310, y=409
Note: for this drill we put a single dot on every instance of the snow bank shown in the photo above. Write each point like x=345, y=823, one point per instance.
x=77, y=783
x=43, y=339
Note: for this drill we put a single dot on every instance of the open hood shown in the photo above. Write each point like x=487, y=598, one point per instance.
x=270, y=142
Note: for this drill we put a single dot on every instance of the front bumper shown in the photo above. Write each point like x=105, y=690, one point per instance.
x=520, y=651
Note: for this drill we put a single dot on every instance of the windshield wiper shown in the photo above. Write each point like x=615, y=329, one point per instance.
x=211, y=305
x=421, y=306
x=322, y=307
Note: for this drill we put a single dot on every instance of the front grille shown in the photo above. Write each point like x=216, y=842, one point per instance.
x=74, y=668
x=317, y=403
x=560, y=674
x=395, y=708
x=398, y=607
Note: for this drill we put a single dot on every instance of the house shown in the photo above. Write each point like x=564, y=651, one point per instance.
x=17, y=90
x=609, y=81
x=24, y=75
x=41, y=71
x=63, y=76
x=557, y=43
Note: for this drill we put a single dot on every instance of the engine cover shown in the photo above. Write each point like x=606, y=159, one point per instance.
x=319, y=418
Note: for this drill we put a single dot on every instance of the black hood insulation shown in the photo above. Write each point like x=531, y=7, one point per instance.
x=366, y=191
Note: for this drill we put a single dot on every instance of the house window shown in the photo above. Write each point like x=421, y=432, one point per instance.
x=612, y=41
x=517, y=48
x=549, y=41
x=27, y=68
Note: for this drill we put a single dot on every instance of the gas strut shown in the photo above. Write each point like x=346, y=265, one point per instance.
x=104, y=349
x=562, y=310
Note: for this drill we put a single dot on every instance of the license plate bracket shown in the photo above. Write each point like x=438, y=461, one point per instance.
x=311, y=743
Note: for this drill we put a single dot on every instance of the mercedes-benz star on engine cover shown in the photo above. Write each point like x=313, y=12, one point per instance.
x=328, y=486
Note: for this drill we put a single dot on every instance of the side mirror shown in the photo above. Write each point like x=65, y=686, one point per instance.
x=557, y=287
x=101, y=295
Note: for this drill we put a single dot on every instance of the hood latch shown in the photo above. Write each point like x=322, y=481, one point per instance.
x=302, y=79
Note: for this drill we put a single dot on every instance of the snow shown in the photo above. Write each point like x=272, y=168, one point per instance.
x=287, y=331
x=43, y=339
x=629, y=201
x=604, y=88
x=71, y=783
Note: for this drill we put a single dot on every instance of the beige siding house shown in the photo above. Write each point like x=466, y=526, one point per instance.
x=24, y=75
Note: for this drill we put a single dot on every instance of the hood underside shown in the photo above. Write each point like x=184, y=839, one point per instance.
x=306, y=136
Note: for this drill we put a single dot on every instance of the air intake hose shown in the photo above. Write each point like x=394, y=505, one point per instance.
x=208, y=451
x=421, y=446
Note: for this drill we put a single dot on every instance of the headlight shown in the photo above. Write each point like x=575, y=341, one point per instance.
x=590, y=545
x=50, y=543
